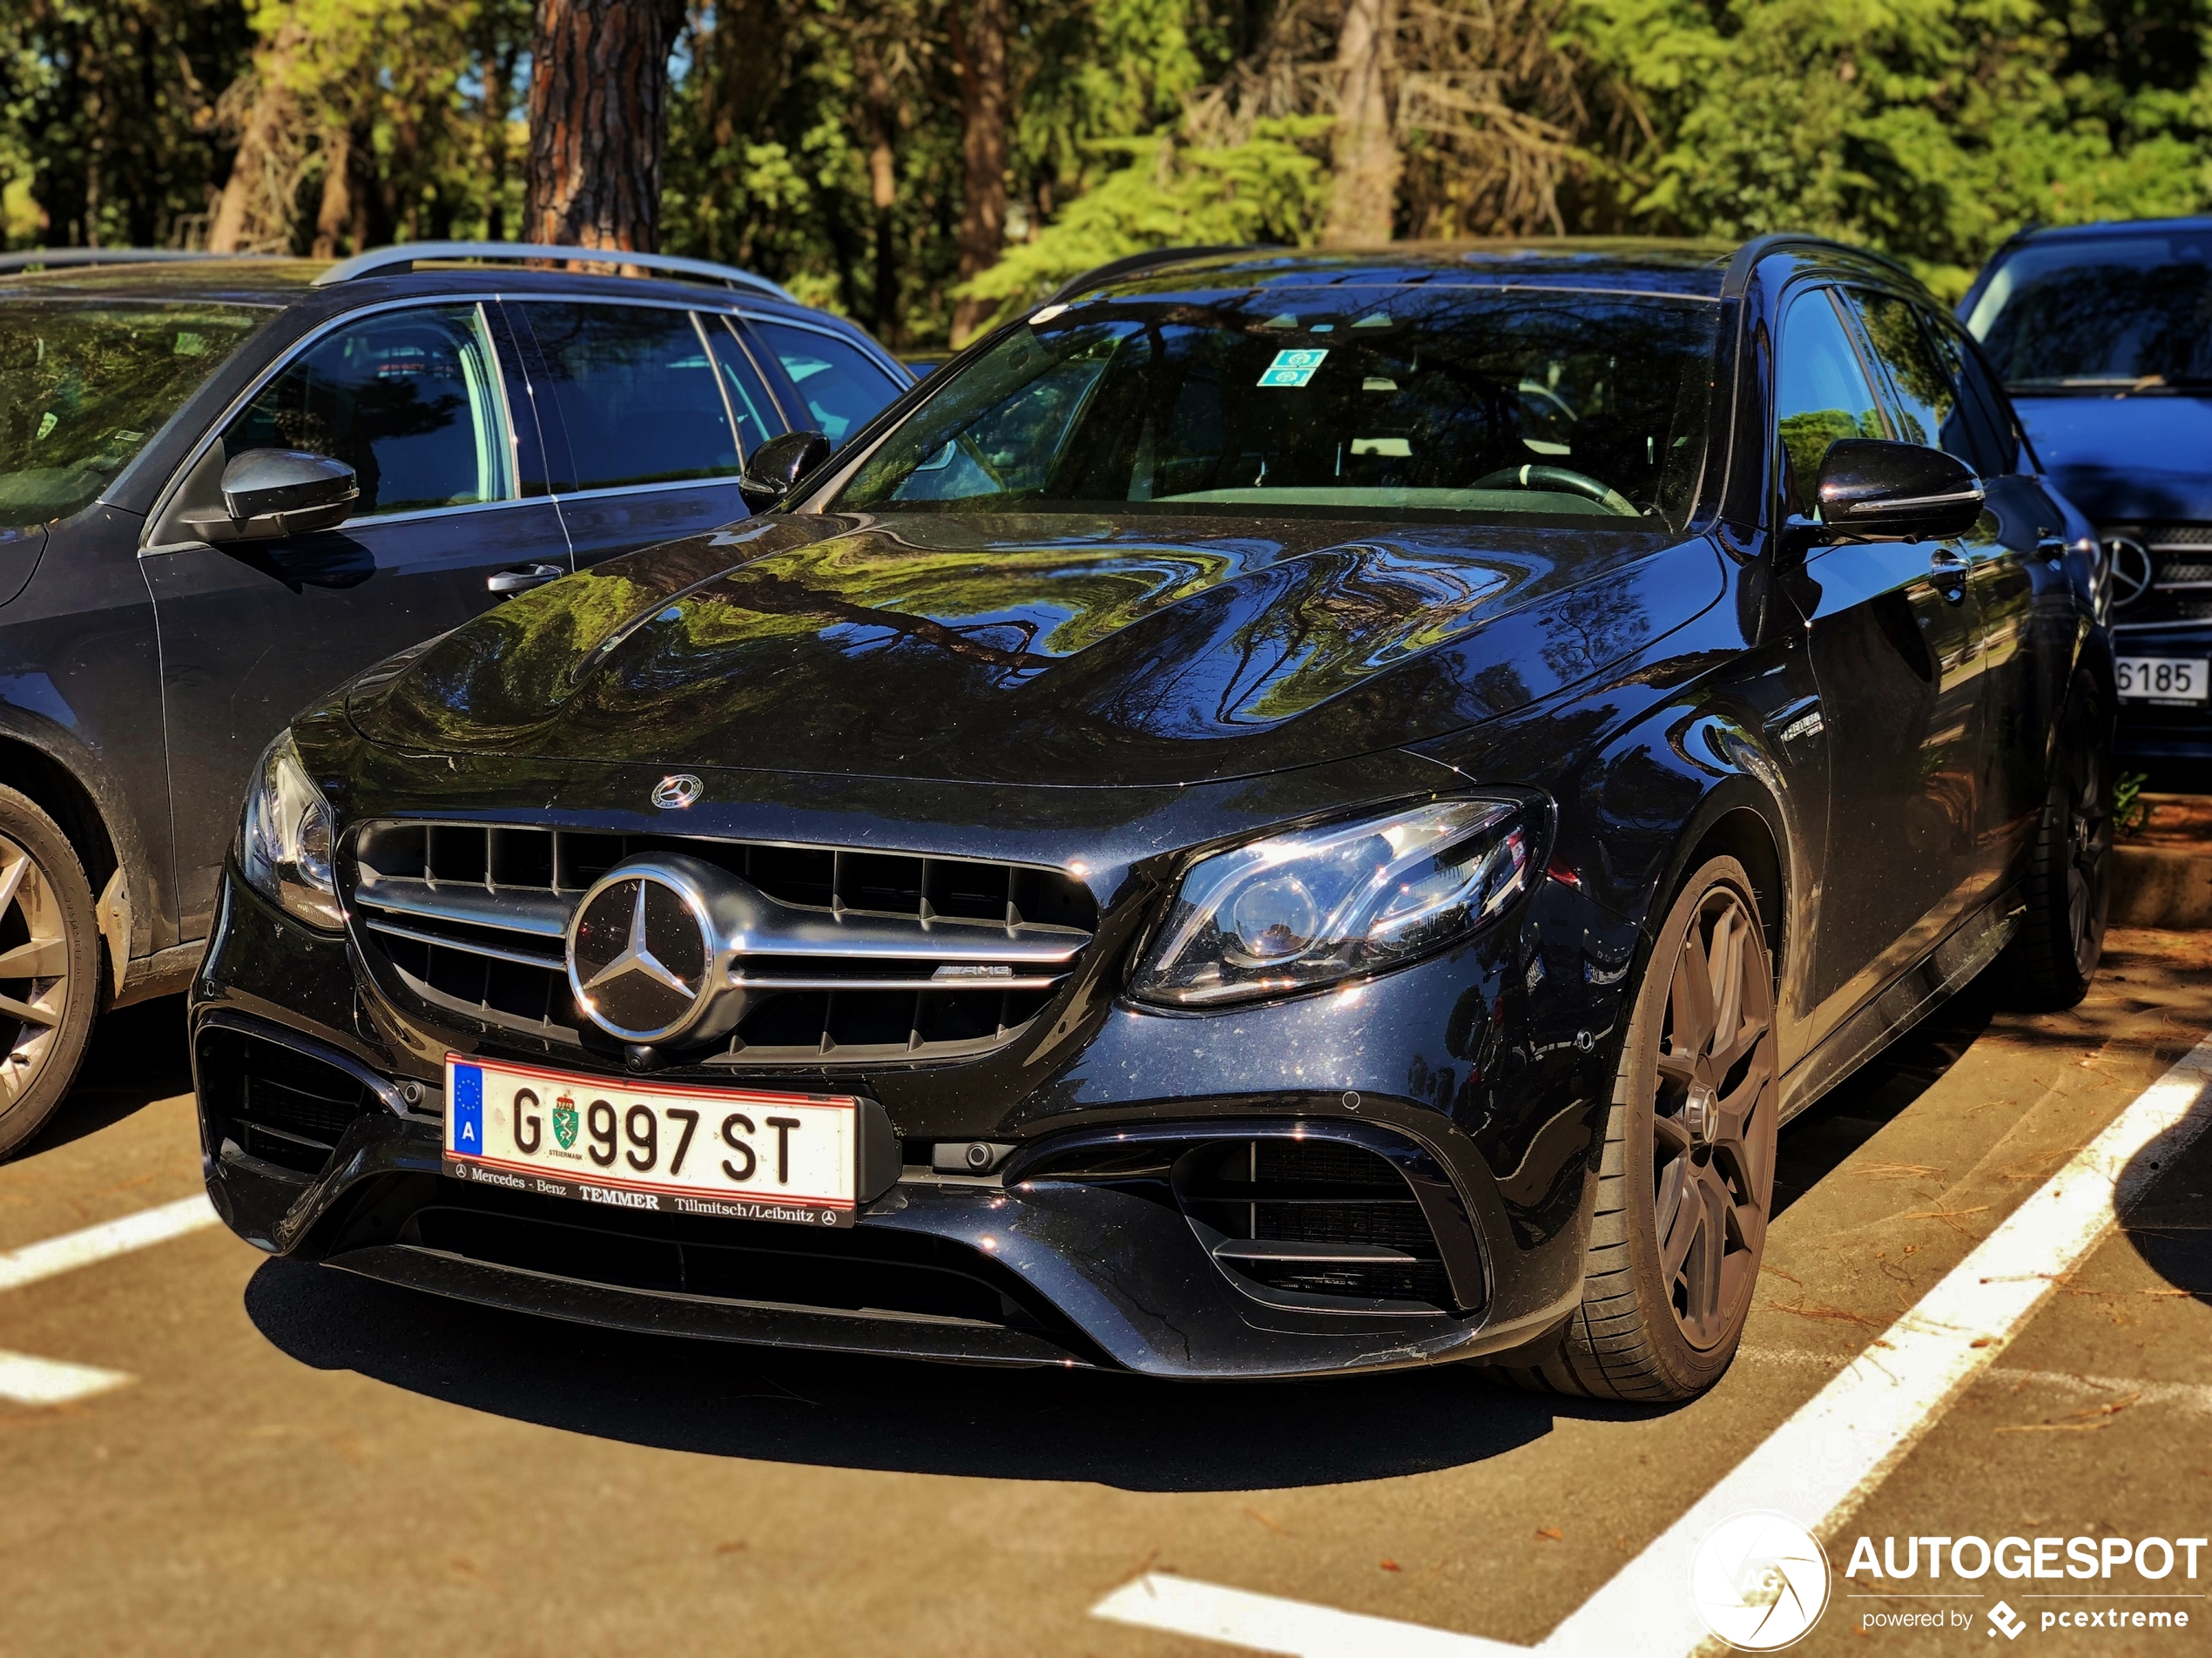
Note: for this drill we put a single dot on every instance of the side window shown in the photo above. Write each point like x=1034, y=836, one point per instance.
x=1936, y=404
x=634, y=389
x=1989, y=418
x=840, y=387
x=1821, y=393
x=748, y=393
x=410, y=399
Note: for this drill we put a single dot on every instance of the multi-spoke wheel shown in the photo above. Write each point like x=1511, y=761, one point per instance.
x=49, y=968
x=1688, y=1176
x=2066, y=886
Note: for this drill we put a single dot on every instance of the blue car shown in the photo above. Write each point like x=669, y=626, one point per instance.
x=2103, y=336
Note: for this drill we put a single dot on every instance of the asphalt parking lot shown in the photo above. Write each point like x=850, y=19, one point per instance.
x=287, y=1459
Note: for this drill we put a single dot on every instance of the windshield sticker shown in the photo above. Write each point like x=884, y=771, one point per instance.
x=1292, y=368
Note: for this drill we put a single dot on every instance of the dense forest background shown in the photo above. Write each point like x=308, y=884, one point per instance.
x=918, y=164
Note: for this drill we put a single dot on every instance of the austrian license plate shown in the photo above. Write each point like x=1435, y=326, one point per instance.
x=639, y=1145
x=2164, y=679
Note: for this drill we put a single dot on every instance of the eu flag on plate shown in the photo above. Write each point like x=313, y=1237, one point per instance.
x=468, y=1108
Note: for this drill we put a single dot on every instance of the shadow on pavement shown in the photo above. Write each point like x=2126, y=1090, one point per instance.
x=896, y=1415
x=2171, y=1226
x=1814, y=1145
x=137, y=1055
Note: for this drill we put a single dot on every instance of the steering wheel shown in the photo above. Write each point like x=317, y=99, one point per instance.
x=1561, y=480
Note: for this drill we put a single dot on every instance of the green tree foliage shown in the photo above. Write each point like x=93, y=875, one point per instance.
x=819, y=141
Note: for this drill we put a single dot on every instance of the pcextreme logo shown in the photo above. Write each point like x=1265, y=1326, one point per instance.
x=1759, y=1581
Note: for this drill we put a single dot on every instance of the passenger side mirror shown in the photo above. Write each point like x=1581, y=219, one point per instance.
x=777, y=464
x=1896, y=491
x=270, y=494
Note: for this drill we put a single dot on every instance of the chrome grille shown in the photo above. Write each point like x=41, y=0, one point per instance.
x=2181, y=559
x=869, y=955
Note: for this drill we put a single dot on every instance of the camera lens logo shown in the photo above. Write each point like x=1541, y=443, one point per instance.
x=1759, y=1581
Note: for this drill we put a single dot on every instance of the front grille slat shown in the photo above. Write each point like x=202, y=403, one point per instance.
x=875, y=955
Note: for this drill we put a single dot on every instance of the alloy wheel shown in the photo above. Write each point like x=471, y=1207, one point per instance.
x=1713, y=1120
x=34, y=970
x=2088, y=841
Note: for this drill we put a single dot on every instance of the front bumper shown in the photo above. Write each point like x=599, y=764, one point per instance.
x=1081, y=1250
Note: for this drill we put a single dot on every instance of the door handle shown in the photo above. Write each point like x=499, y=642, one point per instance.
x=523, y=577
x=1947, y=561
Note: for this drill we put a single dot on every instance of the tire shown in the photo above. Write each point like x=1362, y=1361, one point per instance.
x=2067, y=886
x=50, y=968
x=1687, y=1180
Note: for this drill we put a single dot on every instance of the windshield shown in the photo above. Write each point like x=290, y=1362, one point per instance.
x=83, y=385
x=1337, y=402
x=2114, y=312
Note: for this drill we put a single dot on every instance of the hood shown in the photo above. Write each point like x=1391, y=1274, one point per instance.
x=1053, y=649
x=2141, y=458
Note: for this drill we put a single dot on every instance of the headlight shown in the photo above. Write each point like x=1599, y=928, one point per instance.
x=1302, y=910
x=284, y=845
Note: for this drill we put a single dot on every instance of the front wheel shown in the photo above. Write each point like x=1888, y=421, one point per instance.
x=1687, y=1181
x=2067, y=886
x=50, y=959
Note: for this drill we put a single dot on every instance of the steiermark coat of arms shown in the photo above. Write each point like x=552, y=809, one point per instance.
x=564, y=1122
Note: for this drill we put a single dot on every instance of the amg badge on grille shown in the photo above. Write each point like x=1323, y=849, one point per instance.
x=640, y=953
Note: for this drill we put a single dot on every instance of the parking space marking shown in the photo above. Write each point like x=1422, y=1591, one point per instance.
x=1267, y=1623
x=72, y=1250
x=51, y=1381
x=1827, y=1459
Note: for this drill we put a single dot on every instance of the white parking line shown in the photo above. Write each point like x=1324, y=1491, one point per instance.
x=51, y=1381
x=72, y=1250
x=1820, y=1464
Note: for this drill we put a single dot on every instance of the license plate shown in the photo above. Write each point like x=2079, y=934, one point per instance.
x=2164, y=679
x=624, y=1144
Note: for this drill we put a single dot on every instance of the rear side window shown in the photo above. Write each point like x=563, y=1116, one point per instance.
x=748, y=394
x=1989, y=415
x=410, y=399
x=1821, y=393
x=1926, y=373
x=841, y=387
x=634, y=389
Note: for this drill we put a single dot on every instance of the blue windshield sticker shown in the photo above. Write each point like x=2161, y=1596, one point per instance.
x=1292, y=367
x=467, y=1107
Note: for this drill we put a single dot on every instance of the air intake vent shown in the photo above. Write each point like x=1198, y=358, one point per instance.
x=276, y=1103
x=885, y=956
x=1314, y=1217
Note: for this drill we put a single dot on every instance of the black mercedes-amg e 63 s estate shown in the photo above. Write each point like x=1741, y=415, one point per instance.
x=1283, y=814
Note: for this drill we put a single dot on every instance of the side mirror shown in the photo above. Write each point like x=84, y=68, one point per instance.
x=1896, y=491
x=777, y=464
x=270, y=494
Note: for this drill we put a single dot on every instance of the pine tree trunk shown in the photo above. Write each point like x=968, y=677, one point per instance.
x=979, y=47
x=883, y=191
x=246, y=217
x=1363, y=151
x=336, y=210
x=598, y=118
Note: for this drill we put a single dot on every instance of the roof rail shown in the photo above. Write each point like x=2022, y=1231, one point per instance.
x=52, y=257
x=386, y=262
x=1746, y=258
x=1130, y=264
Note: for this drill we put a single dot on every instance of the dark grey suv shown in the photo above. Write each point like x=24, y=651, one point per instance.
x=226, y=484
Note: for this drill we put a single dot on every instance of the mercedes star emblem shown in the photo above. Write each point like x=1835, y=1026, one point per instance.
x=676, y=792
x=2131, y=570
x=639, y=954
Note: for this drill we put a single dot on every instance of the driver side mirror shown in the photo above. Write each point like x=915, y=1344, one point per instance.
x=270, y=494
x=777, y=465
x=1895, y=492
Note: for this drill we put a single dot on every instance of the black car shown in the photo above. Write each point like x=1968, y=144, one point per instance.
x=228, y=484
x=1285, y=813
x=2103, y=336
